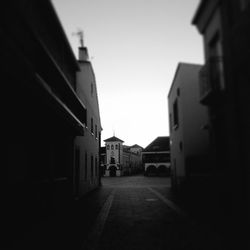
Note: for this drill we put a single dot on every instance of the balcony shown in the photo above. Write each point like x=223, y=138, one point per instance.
x=211, y=81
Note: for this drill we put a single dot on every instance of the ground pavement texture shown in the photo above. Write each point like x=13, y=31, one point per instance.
x=125, y=213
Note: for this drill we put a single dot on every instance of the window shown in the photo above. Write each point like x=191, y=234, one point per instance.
x=86, y=119
x=92, y=89
x=92, y=126
x=178, y=91
x=176, y=118
x=180, y=146
x=112, y=147
x=170, y=122
x=112, y=160
x=116, y=146
x=216, y=69
x=108, y=147
x=96, y=132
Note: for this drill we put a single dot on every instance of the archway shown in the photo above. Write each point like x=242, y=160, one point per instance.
x=151, y=170
x=112, y=171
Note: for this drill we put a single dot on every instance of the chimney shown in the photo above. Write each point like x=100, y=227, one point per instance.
x=83, y=54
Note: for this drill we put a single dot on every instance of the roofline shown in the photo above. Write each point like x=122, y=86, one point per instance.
x=176, y=73
x=115, y=140
x=207, y=7
x=155, y=152
x=64, y=34
x=198, y=11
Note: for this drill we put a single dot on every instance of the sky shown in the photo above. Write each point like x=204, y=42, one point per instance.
x=134, y=47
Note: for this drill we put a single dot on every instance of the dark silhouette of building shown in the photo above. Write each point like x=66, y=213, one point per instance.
x=156, y=157
x=42, y=113
x=225, y=90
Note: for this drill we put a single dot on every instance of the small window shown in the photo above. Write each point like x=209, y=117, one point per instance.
x=178, y=91
x=170, y=122
x=86, y=116
x=116, y=146
x=216, y=68
x=112, y=147
x=96, y=132
x=92, y=89
x=176, y=118
x=180, y=146
x=112, y=160
x=108, y=147
x=92, y=126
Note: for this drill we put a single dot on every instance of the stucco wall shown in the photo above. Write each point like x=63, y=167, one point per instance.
x=188, y=139
x=117, y=153
x=90, y=142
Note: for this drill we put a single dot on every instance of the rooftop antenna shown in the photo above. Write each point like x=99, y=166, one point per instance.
x=113, y=131
x=80, y=35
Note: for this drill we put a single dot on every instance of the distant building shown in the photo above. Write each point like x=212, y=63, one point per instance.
x=102, y=161
x=188, y=121
x=87, y=150
x=156, y=157
x=121, y=159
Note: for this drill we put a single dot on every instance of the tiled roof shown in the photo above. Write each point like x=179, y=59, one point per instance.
x=136, y=146
x=160, y=144
x=113, y=138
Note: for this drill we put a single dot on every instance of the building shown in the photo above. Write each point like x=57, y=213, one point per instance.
x=103, y=160
x=42, y=113
x=225, y=91
x=156, y=157
x=122, y=159
x=188, y=121
x=87, y=150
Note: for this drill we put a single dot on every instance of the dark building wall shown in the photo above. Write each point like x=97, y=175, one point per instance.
x=42, y=114
x=229, y=109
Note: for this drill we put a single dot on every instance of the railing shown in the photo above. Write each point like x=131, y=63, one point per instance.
x=211, y=80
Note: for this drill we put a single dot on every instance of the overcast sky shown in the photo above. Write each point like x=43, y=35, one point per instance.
x=134, y=46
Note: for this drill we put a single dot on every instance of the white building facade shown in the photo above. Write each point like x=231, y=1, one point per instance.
x=121, y=159
x=156, y=157
x=87, y=147
x=188, y=123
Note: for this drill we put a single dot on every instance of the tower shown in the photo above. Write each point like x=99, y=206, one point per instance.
x=114, y=155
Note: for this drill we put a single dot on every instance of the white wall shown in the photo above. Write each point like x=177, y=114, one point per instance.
x=115, y=152
x=192, y=117
x=89, y=143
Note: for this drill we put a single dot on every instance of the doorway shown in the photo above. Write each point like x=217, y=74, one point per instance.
x=112, y=171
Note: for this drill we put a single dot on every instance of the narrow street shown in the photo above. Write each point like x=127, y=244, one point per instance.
x=139, y=214
x=134, y=212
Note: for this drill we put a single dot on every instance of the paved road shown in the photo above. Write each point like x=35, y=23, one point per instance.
x=126, y=213
x=139, y=214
